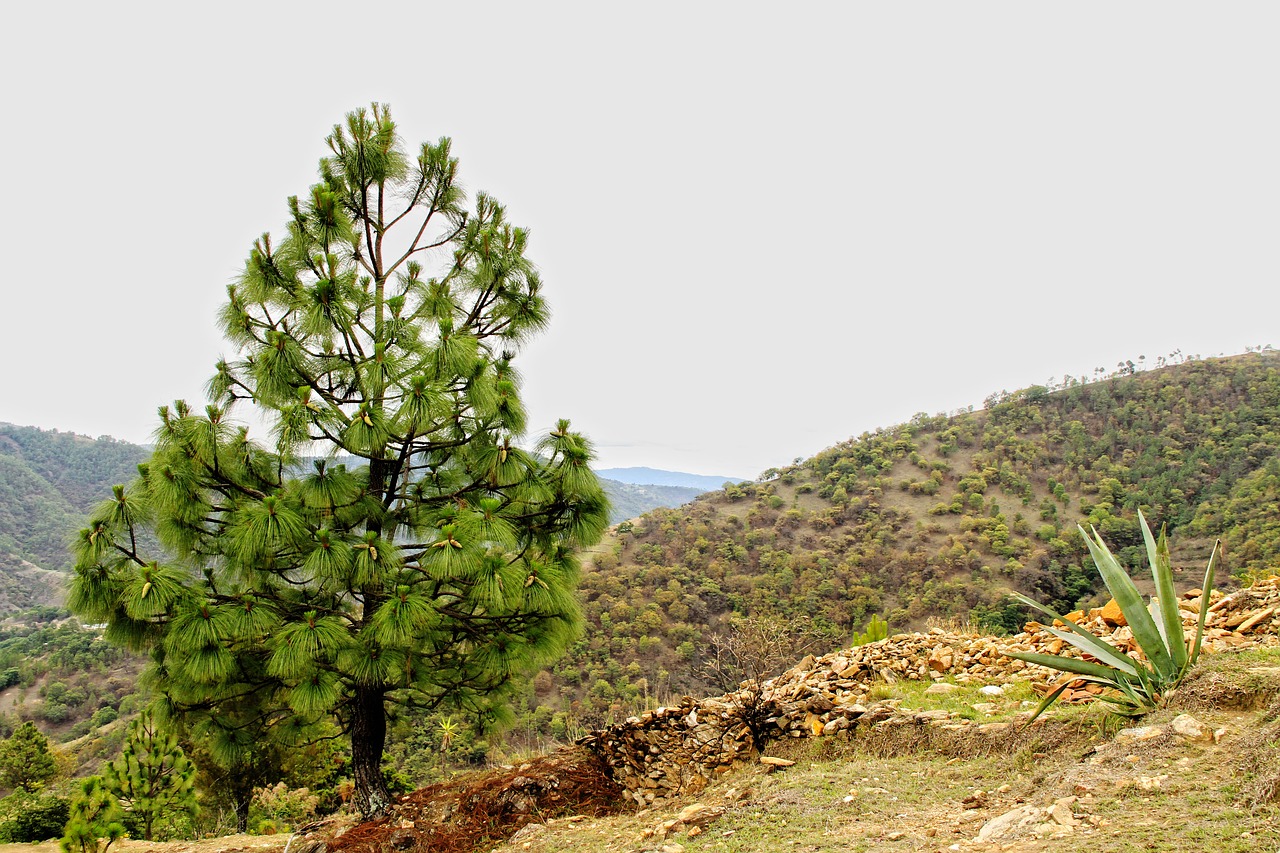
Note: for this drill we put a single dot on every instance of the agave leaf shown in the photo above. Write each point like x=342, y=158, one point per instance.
x=1131, y=605
x=1170, y=620
x=1204, y=599
x=1047, y=701
x=1137, y=686
x=1098, y=647
x=1109, y=654
x=1153, y=607
x=1062, y=664
x=1130, y=703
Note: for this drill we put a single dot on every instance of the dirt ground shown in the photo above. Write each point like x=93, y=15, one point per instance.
x=227, y=844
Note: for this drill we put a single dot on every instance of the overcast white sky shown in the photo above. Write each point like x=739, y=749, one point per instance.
x=763, y=227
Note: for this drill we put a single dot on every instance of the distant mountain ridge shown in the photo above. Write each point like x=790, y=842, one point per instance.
x=658, y=477
x=631, y=500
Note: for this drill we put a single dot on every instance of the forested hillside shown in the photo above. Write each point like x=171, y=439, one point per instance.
x=937, y=517
x=49, y=480
x=628, y=500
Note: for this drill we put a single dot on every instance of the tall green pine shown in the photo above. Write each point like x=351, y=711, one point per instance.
x=392, y=542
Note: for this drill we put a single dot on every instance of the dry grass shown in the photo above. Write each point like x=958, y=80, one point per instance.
x=1258, y=760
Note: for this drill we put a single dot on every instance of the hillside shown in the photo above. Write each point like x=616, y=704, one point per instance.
x=629, y=500
x=935, y=518
x=49, y=481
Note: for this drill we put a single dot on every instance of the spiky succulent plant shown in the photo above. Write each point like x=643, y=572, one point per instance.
x=1134, y=686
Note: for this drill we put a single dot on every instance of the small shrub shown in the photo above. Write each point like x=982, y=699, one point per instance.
x=95, y=818
x=877, y=629
x=103, y=716
x=280, y=807
x=36, y=820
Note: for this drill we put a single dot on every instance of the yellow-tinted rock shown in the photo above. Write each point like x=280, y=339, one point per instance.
x=1111, y=613
x=1074, y=616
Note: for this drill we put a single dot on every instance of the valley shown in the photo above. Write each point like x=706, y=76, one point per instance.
x=926, y=524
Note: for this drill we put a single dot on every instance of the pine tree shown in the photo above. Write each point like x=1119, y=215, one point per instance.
x=153, y=776
x=25, y=760
x=96, y=820
x=240, y=741
x=392, y=542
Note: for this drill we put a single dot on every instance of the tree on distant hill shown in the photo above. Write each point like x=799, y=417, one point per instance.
x=25, y=760
x=433, y=570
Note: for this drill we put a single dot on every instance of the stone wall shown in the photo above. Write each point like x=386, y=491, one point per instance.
x=679, y=749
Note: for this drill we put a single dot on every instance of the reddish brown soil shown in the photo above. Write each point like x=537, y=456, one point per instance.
x=459, y=815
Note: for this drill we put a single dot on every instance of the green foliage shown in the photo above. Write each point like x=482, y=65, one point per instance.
x=82, y=672
x=25, y=760
x=34, y=819
x=1002, y=619
x=877, y=629
x=37, y=821
x=280, y=807
x=1138, y=687
x=392, y=543
x=96, y=820
x=153, y=779
x=1248, y=519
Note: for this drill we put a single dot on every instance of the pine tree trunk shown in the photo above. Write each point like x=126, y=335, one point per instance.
x=368, y=736
x=240, y=804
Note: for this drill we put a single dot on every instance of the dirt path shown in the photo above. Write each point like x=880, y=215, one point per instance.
x=228, y=844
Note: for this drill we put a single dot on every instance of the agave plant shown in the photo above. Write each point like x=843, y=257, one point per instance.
x=1138, y=686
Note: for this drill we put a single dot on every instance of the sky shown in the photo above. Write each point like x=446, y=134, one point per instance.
x=763, y=228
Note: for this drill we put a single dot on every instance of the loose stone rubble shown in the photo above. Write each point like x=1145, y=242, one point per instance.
x=679, y=749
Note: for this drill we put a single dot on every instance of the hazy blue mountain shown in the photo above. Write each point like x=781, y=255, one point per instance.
x=659, y=477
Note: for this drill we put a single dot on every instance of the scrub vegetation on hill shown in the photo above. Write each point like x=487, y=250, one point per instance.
x=940, y=518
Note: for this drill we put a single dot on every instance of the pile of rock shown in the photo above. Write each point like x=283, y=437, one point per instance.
x=676, y=749
x=679, y=749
